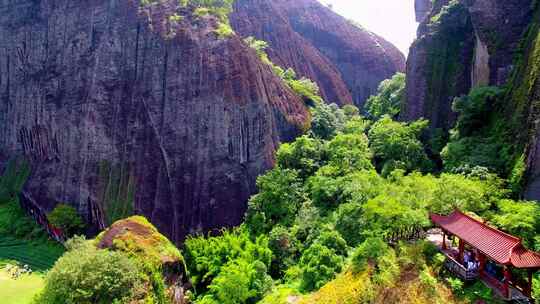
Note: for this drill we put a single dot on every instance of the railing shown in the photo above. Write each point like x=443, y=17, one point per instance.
x=456, y=268
x=495, y=284
x=406, y=234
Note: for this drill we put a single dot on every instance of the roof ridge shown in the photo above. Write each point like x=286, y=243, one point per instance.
x=490, y=227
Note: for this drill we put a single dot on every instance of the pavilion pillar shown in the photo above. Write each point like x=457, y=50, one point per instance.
x=443, y=240
x=528, y=290
x=482, y=261
x=461, y=250
x=507, y=279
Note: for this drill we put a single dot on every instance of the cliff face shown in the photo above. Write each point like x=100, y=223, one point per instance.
x=500, y=46
x=461, y=45
x=124, y=110
x=346, y=61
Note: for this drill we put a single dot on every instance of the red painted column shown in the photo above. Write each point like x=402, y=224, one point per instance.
x=461, y=250
x=444, y=240
x=528, y=291
x=507, y=279
x=482, y=261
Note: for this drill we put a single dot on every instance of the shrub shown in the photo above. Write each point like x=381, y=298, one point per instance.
x=368, y=252
x=428, y=281
x=280, y=195
x=205, y=257
x=319, y=265
x=350, y=223
x=66, y=218
x=86, y=275
x=389, y=97
x=456, y=285
x=239, y=282
x=387, y=271
x=284, y=248
x=327, y=120
x=397, y=145
x=305, y=155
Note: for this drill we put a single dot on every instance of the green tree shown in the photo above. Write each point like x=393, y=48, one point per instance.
x=480, y=135
x=519, y=218
x=305, y=155
x=87, y=275
x=386, y=214
x=280, y=195
x=369, y=251
x=66, y=218
x=350, y=152
x=284, y=248
x=350, y=223
x=205, y=257
x=397, y=146
x=389, y=97
x=333, y=240
x=319, y=264
x=327, y=120
x=240, y=282
x=454, y=191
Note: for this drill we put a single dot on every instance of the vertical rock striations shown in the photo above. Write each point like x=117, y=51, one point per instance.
x=126, y=110
x=499, y=45
x=346, y=61
x=461, y=44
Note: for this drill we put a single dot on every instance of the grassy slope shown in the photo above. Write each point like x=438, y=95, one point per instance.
x=39, y=253
x=20, y=291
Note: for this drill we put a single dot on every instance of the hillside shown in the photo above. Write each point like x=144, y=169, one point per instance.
x=267, y=152
x=121, y=109
x=347, y=61
x=158, y=107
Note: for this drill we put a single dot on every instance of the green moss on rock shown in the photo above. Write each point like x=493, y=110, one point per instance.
x=161, y=261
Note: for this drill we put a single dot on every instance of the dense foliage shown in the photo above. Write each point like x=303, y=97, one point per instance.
x=398, y=146
x=66, y=218
x=478, y=139
x=390, y=95
x=231, y=268
x=86, y=275
x=337, y=194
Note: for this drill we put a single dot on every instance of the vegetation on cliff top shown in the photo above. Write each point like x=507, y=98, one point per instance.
x=219, y=9
x=325, y=210
x=130, y=262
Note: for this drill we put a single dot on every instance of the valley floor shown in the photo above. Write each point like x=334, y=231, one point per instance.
x=21, y=290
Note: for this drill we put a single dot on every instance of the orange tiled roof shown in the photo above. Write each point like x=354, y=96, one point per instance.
x=499, y=246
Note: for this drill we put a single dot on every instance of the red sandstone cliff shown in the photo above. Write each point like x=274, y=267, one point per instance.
x=123, y=111
x=346, y=61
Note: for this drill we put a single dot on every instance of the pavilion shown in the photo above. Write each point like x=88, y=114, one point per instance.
x=496, y=253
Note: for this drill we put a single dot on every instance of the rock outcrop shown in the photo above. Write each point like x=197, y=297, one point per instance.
x=140, y=240
x=461, y=44
x=346, y=61
x=422, y=9
x=493, y=43
x=121, y=109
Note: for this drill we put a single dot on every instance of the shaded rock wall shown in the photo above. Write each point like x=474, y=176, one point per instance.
x=477, y=39
x=422, y=9
x=172, y=123
x=320, y=45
